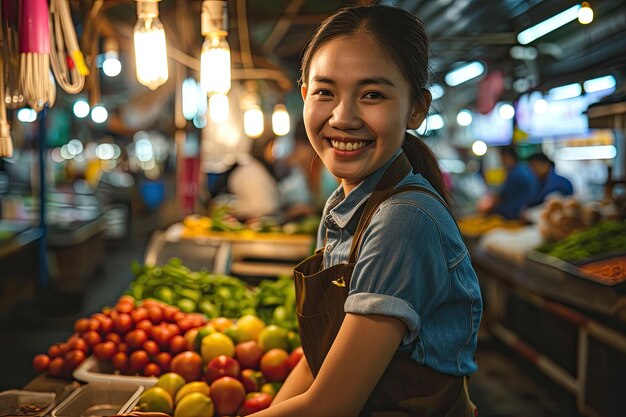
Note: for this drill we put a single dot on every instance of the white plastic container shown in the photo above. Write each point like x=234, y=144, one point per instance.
x=92, y=370
x=14, y=401
x=99, y=399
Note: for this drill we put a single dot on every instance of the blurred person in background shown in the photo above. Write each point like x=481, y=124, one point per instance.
x=548, y=181
x=517, y=188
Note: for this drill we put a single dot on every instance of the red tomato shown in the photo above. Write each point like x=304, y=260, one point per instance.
x=94, y=324
x=63, y=349
x=138, y=314
x=163, y=359
x=54, y=351
x=55, y=368
x=92, y=338
x=81, y=325
x=78, y=344
x=126, y=299
x=185, y=324
x=149, y=303
x=174, y=329
x=161, y=335
x=138, y=360
x=106, y=325
x=152, y=369
x=177, y=344
x=41, y=362
x=135, y=338
x=151, y=347
x=120, y=361
x=179, y=315
x=124, y=307
x=107, y=311
x=113, y=337
x=169, y=312
x=105, y=350
x=155, y=314
x=122, y=347
x=145, y=325
x=122, y=323
x=73, y=358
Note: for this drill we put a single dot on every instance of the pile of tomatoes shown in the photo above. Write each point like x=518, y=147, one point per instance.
x=138, y=338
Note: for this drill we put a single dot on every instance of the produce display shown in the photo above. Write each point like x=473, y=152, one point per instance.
x=216, y=295
x=221, y=220
x=606, y=237
x=610, y=271
x=192, y=291
x=137, y=339
x=477, y=225
x=561, y=217
x=230, y=368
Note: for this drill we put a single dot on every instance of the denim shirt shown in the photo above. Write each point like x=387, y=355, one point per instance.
x=413, y=265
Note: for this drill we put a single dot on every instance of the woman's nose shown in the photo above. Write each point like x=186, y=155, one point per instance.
x=345, y=116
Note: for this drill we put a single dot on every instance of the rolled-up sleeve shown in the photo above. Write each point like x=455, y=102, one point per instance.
x=401, y=270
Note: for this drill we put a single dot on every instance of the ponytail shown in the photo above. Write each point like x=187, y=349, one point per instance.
x=425, y=163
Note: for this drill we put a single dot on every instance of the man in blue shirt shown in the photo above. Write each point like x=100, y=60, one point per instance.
x=549, y=182
x=517, y=187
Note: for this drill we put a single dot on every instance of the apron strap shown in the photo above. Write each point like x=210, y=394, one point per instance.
x=394, y=173
x=384, y=190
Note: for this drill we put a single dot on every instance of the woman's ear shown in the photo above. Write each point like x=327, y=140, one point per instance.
x=419, y=110
x=303, y=91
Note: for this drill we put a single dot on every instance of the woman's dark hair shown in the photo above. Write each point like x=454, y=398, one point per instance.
x=402, y=36
x=510, y=151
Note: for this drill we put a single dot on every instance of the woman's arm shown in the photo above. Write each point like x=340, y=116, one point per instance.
x=299, y=380
x=357, y=359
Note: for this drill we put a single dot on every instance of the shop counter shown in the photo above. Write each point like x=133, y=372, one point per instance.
x=572, y=330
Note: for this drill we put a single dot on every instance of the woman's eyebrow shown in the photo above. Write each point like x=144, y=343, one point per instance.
x=365, y=81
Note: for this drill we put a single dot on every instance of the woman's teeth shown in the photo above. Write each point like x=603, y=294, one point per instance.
x=347, y=146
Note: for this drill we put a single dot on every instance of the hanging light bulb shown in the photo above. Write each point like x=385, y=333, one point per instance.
x=150, y=48
x=253, y=122
x=585, y=13
x=218, y=108
x=280, y=120
x=215, y=55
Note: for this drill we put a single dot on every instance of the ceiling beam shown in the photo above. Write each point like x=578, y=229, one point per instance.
x=282, y=26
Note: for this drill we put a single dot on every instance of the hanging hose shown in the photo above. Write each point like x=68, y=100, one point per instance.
x=68, y=63
x=6, y=144
x=36, y=81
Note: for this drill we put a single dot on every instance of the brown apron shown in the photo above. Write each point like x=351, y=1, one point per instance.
x=406, y=387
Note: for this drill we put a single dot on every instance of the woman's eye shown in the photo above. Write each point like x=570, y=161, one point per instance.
x=322, y=92
x=373, y=95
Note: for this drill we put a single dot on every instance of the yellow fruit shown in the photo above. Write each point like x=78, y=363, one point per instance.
x=273, y=337
x=271, y=388
x=194, y=405
x=197, y=386
x=248, y=328
x=171, y=382
x=216, y=344
x=156, y=399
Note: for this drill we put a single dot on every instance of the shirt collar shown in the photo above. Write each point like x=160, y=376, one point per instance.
x=342, y=208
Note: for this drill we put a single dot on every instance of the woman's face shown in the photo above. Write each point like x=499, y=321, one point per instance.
x=357, y=107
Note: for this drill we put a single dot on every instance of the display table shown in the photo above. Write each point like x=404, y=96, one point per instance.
x=245, y=254
x=572, y=330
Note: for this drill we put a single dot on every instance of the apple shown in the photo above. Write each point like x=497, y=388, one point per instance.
x=227, y=394
x=294, y=357
x=188, y=365
x=254, y=402
x=274, y=365
x=250, y=380
x=221, y=366
x=248, y=354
